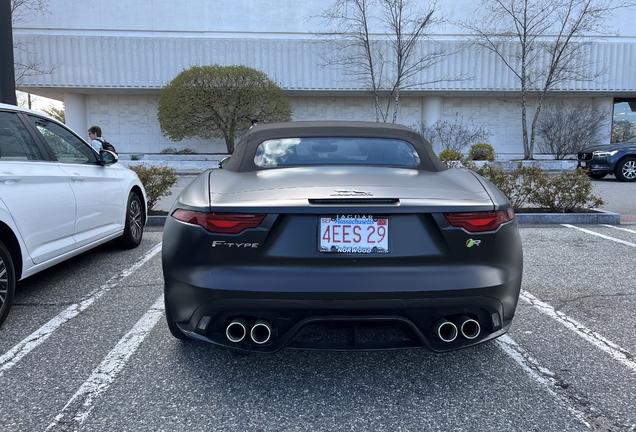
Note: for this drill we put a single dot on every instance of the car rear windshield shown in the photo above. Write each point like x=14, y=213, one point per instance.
x=335, y=151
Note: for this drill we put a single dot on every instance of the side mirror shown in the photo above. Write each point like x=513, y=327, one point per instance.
x=223, y=161
x=107, y=157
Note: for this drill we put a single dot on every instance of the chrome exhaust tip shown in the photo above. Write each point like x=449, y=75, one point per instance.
x=236, y=330
x=261, y=332
x=469, y=328
x=445, y=330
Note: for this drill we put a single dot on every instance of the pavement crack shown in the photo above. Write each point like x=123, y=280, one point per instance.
x=35, y=304
x=576, y=399
x=567, y=302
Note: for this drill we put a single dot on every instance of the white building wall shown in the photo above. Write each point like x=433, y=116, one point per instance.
x=499, y=116
x=118, y=54
x=232, y=18
x=130, y=121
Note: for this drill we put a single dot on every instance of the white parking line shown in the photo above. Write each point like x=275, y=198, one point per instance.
x=18, y=352
x=81, y=404
x=626, y=243
x=622, y=355
x=537, y=372
x=621, y=229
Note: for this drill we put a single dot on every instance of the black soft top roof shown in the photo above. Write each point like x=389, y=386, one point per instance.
x=243, y=158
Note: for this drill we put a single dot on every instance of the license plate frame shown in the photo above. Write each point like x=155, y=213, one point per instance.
x=353, y=234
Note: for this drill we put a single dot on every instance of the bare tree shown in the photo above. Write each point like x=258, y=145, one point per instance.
x=565, y=129
x=21, y=10
x=376, y=41
x=57, y=113
x=544, y=44
x=26, y=99
x=453, y=135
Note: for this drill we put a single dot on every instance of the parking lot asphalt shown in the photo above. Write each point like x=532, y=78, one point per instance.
x=619, y=197
x=86, y=348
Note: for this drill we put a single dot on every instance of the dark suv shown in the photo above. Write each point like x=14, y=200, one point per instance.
x=618, y=159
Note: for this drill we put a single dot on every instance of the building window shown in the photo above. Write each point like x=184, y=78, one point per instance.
x=624, y=120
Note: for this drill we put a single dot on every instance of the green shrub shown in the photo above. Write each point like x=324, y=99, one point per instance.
x=451, y=158
x=531, y=186
x=450, y=154
x=172, y=150
x=481, y=152
x=517, y=185
x=567, y=192
x=157, y=181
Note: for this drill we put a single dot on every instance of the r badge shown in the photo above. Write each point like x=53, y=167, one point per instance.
x=470, y=243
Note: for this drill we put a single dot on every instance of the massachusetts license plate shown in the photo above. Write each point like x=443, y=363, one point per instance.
x=363, y=234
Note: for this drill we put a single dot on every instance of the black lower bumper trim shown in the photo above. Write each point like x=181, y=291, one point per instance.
x=367, y=325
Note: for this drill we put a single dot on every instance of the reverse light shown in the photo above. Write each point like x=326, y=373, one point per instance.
x=480, y=221
x=226, y=223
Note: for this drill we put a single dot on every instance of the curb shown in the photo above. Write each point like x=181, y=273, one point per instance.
x=596, y=218
x=155, y=221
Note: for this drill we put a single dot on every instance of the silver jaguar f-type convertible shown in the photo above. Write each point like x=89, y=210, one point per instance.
x=340, y=236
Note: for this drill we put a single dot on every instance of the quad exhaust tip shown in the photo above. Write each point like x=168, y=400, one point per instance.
x=445, y=330
x=236, y=330
x=469, y=327
x=261, y=332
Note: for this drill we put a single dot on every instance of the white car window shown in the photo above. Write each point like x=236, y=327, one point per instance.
x=15, y=142
x=66, y=146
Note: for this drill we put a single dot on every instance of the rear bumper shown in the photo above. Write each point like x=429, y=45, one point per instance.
x=307, y=298
x=345, y=321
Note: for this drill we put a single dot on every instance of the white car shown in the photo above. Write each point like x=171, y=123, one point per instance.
x=58, y=198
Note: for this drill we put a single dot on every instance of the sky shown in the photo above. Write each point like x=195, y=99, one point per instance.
x=38, y=103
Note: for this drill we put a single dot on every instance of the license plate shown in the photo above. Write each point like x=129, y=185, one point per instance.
x=362, y=234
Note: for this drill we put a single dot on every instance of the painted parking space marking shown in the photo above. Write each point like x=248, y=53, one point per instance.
x=621, y=229
x=28, y=344
x=537, y=372
x=606, y=237
x=622, y=355
x=79, y=407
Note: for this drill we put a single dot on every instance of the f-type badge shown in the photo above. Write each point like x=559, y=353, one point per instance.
x=350, y=192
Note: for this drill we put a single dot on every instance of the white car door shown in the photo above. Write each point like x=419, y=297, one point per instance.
x=98, y=189
x=36, y=192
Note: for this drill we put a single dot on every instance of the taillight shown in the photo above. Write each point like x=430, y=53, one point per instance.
x=226, y=223
x=480, y=221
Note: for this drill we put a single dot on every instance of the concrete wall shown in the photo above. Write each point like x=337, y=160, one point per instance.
x=130, y=121
x=232, y=18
